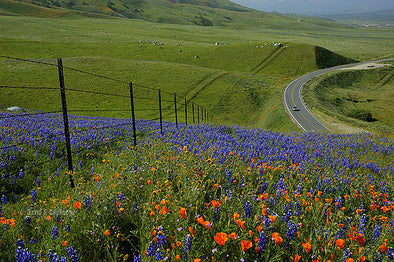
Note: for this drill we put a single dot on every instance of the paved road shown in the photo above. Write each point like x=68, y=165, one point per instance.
x=292, y=98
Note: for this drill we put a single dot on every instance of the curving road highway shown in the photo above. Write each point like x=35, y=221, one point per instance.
x=292, y=98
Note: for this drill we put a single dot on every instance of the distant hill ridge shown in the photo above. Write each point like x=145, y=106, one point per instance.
x=194, y=12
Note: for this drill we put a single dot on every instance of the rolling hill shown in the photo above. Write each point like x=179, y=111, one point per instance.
x=222, y=13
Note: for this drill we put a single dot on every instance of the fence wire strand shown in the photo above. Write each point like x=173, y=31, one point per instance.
x=181, y=106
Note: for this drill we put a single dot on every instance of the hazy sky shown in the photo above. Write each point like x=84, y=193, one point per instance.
x=316, y=6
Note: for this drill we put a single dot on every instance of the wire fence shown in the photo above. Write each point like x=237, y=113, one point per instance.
x=137, y=101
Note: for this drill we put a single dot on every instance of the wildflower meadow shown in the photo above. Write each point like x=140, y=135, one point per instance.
x=193, y=193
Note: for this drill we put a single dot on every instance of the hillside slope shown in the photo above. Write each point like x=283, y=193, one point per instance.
x=196, y=12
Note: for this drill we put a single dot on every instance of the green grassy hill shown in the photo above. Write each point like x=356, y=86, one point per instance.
x=195, y=12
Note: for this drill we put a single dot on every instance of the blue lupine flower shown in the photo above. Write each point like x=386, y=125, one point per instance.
x=67, y=229
x=23, y=255
x=137, y=258
x=3, y=199
x=248, y=209
x=187, y=246
x=262, y=241
x=216, y=213
x=27, y=220
x=72, y=254
x=291, y=229
x=55, y=232
x=338, y=202
x=121, y=197
x=298, y=209
x=19, y=243
x=287, y=212
x=161, y=237
x=376, y=232
x=362, y=223
x=151, y=249
x=88, y=202
x=159, y=255
x=21, y=174
x=390, y=253
x=33, y=196
x=346, y=254
x=38, y=181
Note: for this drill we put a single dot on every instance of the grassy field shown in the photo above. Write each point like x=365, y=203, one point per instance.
x=174, y=58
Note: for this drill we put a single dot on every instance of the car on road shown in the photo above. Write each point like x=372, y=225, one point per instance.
x=295, y=108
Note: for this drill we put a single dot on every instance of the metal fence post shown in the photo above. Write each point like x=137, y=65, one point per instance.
x=65, y=120
x=198, y=114
x=176, y=111
x=161, y=115
x=185, y=111
x=133, y=113
x=193, y=111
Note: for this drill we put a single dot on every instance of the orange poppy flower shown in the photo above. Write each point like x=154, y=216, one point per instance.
x=385, y=208
x=384, y=219
x=182, y=212
x=216, y=204
x=196, y=260
x=164, y=210
x=360, y=239
x=246, y=244
x=240, y=223
x=277, y=238
x=10, y=222
x=64, y=243
x=233, y=235
x=264, y=211
x=221, y=238
x=207, y=225
x=351, y=236
x=49, y=217
x=296, y=258
x=384, y=247
x=272, y=218
x=77, y=205
x=340, y=243
x=178, y=257
x=307, y=246
x=191, y=230
x=106, y=232
x=200, y=220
